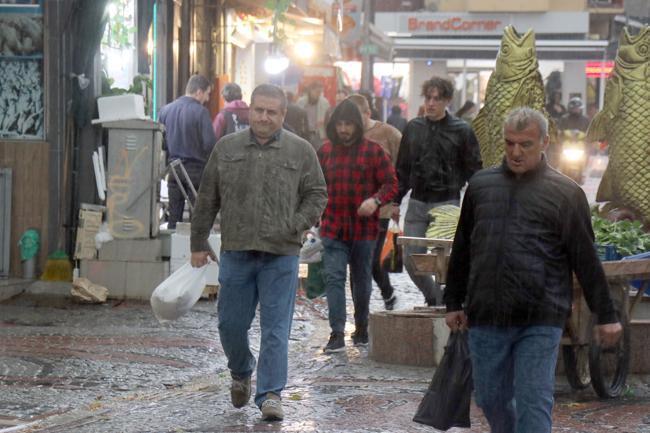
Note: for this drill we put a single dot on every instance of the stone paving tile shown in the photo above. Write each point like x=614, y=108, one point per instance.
x=103, y=369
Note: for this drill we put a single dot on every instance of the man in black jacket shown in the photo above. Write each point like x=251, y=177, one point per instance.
x=524, y=230
x=437, y=155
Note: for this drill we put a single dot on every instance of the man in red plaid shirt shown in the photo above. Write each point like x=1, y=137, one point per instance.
x=360, y=178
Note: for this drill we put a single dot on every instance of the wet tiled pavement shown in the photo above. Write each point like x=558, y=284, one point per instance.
x=113, y=368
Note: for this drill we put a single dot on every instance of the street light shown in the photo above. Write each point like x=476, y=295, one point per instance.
x=276, y=63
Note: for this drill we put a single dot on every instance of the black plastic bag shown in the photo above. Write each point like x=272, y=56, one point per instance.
x=446, y=403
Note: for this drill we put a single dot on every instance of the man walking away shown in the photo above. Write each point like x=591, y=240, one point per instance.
x=269, y=187
x=360, y=177
x=389, y=139
x=234, y=116
x=524, y=230
x=438, y=154
x=316, y=106
x=395, y=119
x=188, y=137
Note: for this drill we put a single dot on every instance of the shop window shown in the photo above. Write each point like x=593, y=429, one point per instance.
x=22, y=115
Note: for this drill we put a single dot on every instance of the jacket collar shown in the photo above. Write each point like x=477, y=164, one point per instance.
x=273, y=142
x=531, y=174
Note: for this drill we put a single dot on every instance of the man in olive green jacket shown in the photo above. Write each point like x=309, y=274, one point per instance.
x=268, y=185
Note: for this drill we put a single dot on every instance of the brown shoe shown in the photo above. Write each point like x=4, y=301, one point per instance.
x=240, y=391
x=272, y=408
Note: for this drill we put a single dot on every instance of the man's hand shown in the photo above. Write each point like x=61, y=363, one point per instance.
x=200, y=258
x=367, y=208
x=609, y=334
x=456, y=320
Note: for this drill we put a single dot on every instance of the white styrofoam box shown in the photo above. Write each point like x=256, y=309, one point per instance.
x=180, y=254
x=120, y=107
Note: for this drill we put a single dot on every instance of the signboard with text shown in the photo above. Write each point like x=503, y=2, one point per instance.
x=474, y=24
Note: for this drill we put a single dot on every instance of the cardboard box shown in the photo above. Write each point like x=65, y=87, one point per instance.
x=89, y=223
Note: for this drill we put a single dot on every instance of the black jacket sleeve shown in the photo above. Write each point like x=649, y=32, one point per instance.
x=459, y=261
x=579, y=240
x=403, y=165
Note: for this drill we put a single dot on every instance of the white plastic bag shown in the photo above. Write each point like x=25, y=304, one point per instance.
x=176, y=295
x=312, y=247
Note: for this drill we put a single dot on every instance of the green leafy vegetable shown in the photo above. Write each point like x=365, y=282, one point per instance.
x=627, y=236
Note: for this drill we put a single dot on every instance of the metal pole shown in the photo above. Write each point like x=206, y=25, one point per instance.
x=366, y=58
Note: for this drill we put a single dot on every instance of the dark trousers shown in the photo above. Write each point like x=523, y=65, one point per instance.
x=379, y=273
x=176, y=199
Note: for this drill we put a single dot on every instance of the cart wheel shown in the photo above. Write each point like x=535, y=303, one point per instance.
x=576, y=365
x=609, y=366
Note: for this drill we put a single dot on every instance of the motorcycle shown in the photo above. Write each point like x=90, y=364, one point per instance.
x=573, y=158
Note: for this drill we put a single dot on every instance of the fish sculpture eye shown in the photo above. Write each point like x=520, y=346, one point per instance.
x=505, y=50
x=642, y=49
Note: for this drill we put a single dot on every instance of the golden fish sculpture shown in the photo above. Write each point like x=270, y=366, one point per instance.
x=515, y=82
x=624, y=123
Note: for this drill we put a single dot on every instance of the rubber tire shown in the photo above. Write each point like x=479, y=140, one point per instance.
x=572, y=363
x=613, y=387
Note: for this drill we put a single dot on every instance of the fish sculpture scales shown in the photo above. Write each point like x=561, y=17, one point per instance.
x=624, y=123
x=515, y=82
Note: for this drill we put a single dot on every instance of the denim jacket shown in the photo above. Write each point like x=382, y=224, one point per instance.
x=267, y=194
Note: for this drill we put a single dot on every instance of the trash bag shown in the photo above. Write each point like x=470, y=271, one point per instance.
x=175, y=296
x=446, y=402
x=315, y=284
x=29, y=244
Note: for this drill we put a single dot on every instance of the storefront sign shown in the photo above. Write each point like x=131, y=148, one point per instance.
x=475, y=24
x=453, y=24
x=598, y=69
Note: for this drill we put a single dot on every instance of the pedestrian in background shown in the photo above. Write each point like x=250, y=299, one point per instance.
x=234, y=116
x=468, y=111
x=524, y=230
x=316, y=106
x=269, y=187
x=189, y=137
x=296, y=119
x=395, y=119
x=360, y=178
x=389, y=139
x=438, y=154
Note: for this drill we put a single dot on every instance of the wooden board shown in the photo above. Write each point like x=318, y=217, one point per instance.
x=627, y=269
x=29, y=162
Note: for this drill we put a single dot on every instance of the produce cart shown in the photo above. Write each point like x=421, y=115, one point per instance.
x=585, y=361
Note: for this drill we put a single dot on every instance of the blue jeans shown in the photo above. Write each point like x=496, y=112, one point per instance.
x=248, y=278
x=514, y=374
x=336, y=257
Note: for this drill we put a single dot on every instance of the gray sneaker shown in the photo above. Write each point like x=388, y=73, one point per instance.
x=240, y=391
x=272, y=408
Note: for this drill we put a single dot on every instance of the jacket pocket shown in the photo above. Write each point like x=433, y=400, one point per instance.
x=523, y=285
x=233, y=186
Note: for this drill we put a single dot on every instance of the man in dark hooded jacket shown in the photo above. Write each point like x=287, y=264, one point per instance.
x=360, y=178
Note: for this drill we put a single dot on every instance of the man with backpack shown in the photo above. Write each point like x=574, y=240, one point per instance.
x=234, y=116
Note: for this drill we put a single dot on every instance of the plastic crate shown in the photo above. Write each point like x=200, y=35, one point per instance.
x=639, y=283
x=607, y=253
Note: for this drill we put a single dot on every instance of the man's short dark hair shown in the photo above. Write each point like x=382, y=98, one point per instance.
x=231, y=92
x=196, y=83
x=270, y=91
x=443, y=85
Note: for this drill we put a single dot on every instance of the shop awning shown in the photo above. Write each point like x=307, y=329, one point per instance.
x=487, y=48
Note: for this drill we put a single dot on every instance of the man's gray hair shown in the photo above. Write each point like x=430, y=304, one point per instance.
x=519, y=118
x=270, y=91
x=196, y=83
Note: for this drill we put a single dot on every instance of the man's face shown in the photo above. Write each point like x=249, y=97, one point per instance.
x=314, y=94
x=434, y=105
x=524, y=148
x=345, y=130
x=266, y=116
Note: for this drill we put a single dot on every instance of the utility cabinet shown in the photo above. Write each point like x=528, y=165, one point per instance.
x=134, y=167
